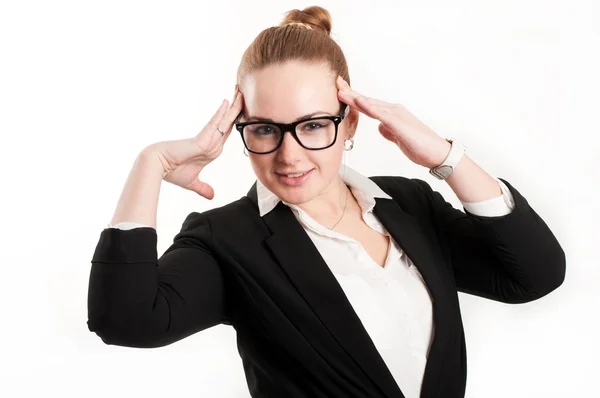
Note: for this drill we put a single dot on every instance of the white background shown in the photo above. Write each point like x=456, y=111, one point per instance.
x=84, y=86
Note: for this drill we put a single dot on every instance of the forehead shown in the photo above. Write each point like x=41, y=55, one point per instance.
x=285, y=91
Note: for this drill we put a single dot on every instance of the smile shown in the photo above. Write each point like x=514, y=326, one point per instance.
x=294, y=178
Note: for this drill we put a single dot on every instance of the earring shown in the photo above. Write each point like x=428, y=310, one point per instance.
x=349, y=147
x=245, y=151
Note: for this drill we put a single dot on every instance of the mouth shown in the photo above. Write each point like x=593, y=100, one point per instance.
x=294, y=177
x=292, y=174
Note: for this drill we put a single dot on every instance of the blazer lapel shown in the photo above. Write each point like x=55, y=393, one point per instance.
x=315, y=282
x=417, y=245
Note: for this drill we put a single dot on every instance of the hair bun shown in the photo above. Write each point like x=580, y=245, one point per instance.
x=314, y=16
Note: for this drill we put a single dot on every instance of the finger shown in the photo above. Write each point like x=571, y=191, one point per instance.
x=235, y=92
x=365, y=107
x=374, y=108
x=353, y=96
x=382, y=104
x=202, y=189
x=375, y=112
x=231, y=109
x=387, y=133
x=213, y=123
x=350, y=99
x=341, y=84
x=345, y=90
x=229, y=119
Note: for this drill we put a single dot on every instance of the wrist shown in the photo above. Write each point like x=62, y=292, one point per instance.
x=443, y=153
x=446, y=167
x=151, y=160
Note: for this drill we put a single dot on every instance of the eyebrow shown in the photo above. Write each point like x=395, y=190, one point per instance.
x=265, y=119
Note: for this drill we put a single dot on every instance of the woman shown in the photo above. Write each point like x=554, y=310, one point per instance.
x=338, y=285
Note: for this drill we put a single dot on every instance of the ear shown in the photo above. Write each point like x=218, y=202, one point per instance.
x=351, y=122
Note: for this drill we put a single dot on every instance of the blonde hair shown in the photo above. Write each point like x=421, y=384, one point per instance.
x=303, y=35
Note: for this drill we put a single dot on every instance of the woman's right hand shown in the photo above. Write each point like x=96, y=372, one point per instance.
x=184, y=159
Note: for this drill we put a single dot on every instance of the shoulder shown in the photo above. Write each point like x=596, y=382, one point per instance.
x=241, y=207
x=238, y=215
x=406, y=191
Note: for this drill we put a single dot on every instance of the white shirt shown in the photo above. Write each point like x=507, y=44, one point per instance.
x=392, y=302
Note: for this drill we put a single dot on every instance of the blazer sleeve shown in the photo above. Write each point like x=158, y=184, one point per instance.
x=138, y=300
x=514, y=258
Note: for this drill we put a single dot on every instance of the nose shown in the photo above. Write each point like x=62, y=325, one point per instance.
x=290, y=150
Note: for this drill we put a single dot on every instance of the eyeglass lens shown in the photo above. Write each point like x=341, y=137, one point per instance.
x=313, y=134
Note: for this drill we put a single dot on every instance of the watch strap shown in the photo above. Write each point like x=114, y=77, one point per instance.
x=457, y=150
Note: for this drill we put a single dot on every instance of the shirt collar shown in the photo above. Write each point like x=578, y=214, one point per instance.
x=363, y=188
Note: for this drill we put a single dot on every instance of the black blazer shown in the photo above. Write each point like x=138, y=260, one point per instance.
x=297, y=334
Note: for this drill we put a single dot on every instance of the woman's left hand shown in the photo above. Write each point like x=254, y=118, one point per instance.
x=418, y=142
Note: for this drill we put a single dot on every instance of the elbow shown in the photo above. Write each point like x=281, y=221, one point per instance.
x=552, y=278
x=123, y=335
x=552, y=271
x=129, y=338
x=128, y=329
x=128, y=322
x=555, y=275
x=109, y=335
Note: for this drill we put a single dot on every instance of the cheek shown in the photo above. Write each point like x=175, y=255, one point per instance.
x=261, y=164
x=329, y=160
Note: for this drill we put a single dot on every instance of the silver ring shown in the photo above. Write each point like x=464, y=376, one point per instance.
x=221, y=131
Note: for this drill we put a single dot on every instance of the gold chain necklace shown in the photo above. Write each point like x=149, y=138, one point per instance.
x=343, y=211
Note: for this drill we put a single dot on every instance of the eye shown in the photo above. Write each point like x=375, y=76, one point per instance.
x=312, y=126
x=263, y=129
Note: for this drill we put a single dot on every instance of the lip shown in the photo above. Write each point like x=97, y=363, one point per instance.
x=293, y=181
x=291, y=172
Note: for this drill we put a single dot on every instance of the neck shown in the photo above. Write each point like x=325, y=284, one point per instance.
x=328, y=207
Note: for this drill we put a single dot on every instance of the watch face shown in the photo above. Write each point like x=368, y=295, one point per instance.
x=444, y=171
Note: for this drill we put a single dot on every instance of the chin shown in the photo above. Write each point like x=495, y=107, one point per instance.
x=294, y=195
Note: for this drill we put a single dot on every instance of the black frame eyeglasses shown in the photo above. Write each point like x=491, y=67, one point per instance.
x=291, y=128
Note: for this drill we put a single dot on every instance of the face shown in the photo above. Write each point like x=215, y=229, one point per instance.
x=284, y=93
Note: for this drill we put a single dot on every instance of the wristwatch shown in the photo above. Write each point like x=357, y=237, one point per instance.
x=445, y=169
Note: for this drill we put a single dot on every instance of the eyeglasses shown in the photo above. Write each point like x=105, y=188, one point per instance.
x=315, y=133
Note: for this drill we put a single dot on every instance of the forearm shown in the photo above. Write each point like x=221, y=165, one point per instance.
x=136, y=299
x=471, y=183
x=513, y=258
x=139, y=199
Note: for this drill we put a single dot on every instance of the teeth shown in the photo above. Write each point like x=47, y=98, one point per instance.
x=295, y=175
